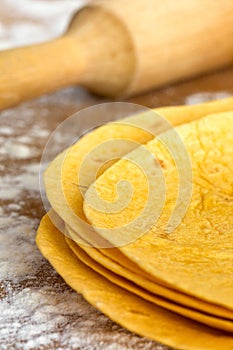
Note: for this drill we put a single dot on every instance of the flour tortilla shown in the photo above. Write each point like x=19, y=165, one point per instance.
x=196, y=258
x=70, y=194
x=216, y=322
x=116, y=266
x=60, y=178
x=123, y=307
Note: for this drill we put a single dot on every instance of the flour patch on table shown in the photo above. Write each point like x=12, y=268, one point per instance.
x=201, y=97
x=17, y=249
x=6, y=130
x=38, y=317
x=18, y=151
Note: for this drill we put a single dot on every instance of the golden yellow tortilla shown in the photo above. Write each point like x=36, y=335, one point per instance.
x=60, y=179
x=123, y=307
x=61, y=176
x=197, y=256
x=70, y=194
x=117, y=268
x=216, y=322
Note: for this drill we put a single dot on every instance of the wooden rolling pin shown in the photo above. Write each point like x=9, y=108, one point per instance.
x=118, y=47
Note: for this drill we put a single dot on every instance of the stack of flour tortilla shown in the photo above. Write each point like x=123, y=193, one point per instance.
x=142, y=223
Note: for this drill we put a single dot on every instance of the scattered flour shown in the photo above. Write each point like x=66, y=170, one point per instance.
x=8, y=193
x=17, y=151
x=11, y=187
x=14, y=207
x=6, y=130
x=28, y=180
x=5, y=222
x=16, y=253
x=24, y=139
x=201, y=97
x=38, y=318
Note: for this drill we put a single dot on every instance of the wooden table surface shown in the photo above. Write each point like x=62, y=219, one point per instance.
x=37, y=309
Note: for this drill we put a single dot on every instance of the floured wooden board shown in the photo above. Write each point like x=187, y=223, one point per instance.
x=37, y=309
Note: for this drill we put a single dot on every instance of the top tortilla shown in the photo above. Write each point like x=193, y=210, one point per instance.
x=197, y=256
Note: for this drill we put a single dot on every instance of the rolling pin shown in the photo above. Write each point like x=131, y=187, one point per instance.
x=118, y=48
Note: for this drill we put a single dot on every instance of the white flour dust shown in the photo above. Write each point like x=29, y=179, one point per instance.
x=201, y=97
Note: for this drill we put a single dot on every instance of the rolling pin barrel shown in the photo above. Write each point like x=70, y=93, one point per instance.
x=116, y=48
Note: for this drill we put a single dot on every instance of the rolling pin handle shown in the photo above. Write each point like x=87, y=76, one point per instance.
x=31, y=71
